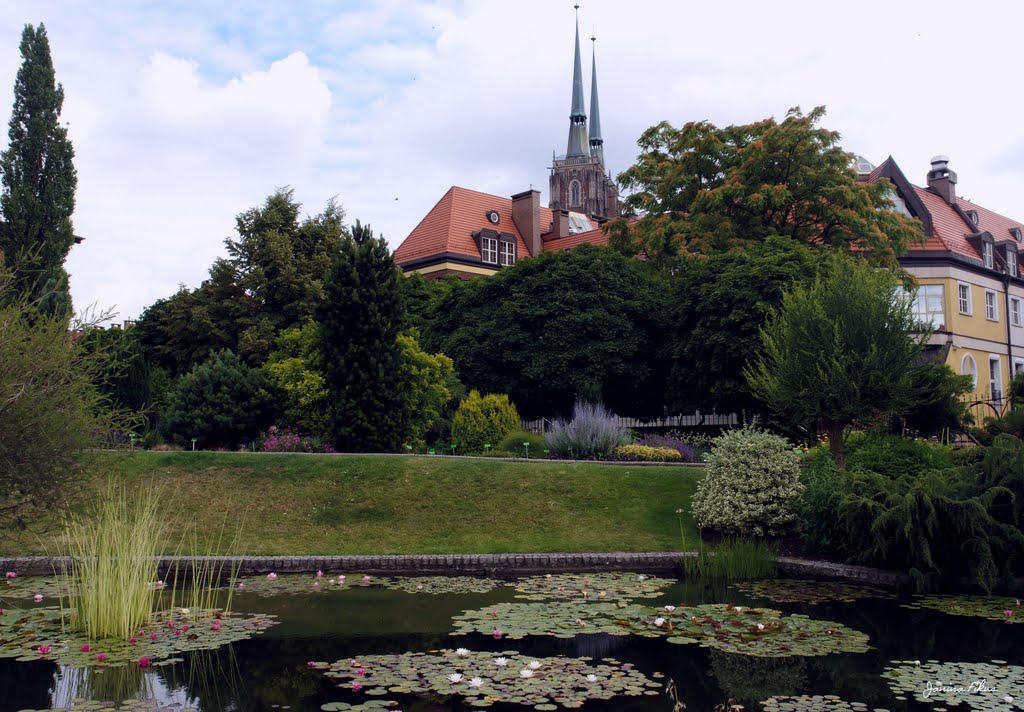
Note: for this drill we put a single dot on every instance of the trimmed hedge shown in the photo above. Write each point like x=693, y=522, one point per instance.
x=646, y=453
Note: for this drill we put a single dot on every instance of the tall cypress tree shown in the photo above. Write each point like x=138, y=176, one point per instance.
x=38, y=180
x=360, y=319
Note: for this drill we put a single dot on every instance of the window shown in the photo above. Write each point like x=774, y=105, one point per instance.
x=575, y=194
x=969, y=368
x=991, y=313
x=973, y=215
x=1018, y=367
x=964, y=292
x=1011, y=262
x=489, y=250
x=995, y=379
x=508, y=253
x=899, y=205
x=1015, y=231
x=928, y=306
x=986, y=254
x=1015, y=317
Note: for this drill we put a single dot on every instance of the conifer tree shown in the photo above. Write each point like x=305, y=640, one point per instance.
x=38, y=180
x=360, y=321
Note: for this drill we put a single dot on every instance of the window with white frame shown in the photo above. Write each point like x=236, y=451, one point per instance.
x=969, y=368
x=507, y=253
x=995, y=379
x=489, y=250
x=1018, y=366
x=986, y=254
x=929, y=305
x=1015, y=315
x=991, y=306
x=1011, y=262
x=964, y=297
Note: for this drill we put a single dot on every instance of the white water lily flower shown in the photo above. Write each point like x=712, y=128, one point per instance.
x=591, y=678
x=534, y=664
x=501, y=662
x=526, y=673
x=1008, y=699
x=669, y=609
x=641, y=577
x=659, y=622
x=760, y=626
x=476, y=682
x=462, y=652
x=739, y=609
x=455, y=677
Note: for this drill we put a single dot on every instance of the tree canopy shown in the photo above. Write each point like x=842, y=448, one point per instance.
x=839, y=349
x=38, y=181
x=583, y=323
x=701, y=189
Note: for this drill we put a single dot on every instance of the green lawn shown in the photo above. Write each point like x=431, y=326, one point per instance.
x=330, y=505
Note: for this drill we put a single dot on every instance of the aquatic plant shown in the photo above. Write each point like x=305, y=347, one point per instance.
x=977, y=686
x=995, y=608
x=810, y=591
x=732, y=559
x=811, y=703
x=541, y=683
x=442, y=584
x=590, y=587
x=299, y=583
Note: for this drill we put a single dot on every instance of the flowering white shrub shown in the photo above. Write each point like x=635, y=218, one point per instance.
x=751, y=480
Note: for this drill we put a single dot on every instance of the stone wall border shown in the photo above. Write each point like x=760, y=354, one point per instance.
x=491, y=565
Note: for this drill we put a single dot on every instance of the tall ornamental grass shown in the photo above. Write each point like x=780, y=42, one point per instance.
x=113, y=563
x=591, y=433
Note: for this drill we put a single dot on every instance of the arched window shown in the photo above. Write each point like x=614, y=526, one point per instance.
x=575, y=194
x=969, y=368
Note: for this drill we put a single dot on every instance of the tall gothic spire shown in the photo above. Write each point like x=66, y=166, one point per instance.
x=595, y=115
x=578, y=144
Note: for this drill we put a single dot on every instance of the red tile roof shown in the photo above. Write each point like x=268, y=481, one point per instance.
x=450, y=224
x=596, y=236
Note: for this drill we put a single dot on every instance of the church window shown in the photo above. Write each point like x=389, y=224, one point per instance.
x=507, y=253
x=575, y=194
x=489, y=250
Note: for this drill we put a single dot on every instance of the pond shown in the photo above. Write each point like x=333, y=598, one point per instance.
x=539, y=643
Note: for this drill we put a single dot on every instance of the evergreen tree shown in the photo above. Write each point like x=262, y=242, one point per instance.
x=360, y=320
x=38, y=180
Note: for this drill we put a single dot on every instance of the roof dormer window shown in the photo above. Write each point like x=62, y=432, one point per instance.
x=987, y=254
x=1015, y=231
x=973, y=215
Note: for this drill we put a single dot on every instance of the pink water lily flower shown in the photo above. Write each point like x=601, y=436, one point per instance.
x=133, y=639
x=498, y=632
x=38, y=597
x=44, y=649
x=11, y=575
x=101, y=656
x=272, y=576
x=144, y=662
x=319, y=573
x=86, y=648
x=366, y=579
x=357, y=686
x=153, y=636
x=215, y=625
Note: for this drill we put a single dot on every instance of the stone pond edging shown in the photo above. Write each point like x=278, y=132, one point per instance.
x=492, y=565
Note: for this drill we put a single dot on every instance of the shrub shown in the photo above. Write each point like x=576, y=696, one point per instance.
x=513, y=443
x=750, y=483
x=817, y=505
x=591, y=433
x=670, y=440
x=290, y=440
x=895, y=455
x=646, y=453
x=482, y=420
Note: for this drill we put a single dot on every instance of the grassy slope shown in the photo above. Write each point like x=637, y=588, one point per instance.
x=307, y=504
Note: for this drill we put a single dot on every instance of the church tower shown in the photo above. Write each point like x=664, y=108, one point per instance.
x=579, y=181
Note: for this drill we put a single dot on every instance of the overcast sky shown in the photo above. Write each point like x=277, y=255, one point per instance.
x=185, y=113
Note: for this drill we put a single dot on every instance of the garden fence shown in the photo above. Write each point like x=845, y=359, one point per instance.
x=693, y=420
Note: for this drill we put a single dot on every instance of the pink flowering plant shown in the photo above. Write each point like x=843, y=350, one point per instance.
x=290, y=440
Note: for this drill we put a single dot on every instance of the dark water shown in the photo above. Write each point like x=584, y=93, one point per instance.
x=269, y=671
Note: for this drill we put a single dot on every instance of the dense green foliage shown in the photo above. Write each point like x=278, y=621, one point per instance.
x=294, y=370
x=271, y=281
x=483, y=420
x=839, y=349
x=646, y=453
x=427, y=382
x=360, y=320
x=513, y=443
x=702, y=189
x=125, y=377
x=584, y=323
x=221, y=402
x=50, y=408
x=752, y=479
x=592, y=432
x=718, y=307
x=38, y=181
x=938, y=404
x=918, y=512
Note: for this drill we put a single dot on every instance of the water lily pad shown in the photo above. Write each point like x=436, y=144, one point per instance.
x=483, y=679
x=442, y=584
x=290, y=584
x=37, y=634
x=140, y=705
x=590, y=587
x=809, y=591
x=994, y=608
x=976, y=686
x=49, y=587
x=811, y=703
x=562, y=619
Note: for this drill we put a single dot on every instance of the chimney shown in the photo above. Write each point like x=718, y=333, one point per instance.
x=526, y=216
x=561, y=218
x=941, y=180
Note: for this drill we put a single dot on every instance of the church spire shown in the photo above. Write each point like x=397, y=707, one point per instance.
x=595, y=115
x=578, y=145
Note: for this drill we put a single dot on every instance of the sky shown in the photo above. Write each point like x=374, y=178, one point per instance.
x=185, y=113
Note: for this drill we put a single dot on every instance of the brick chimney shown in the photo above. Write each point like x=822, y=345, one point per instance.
x=941, y=180
x=526, y=216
